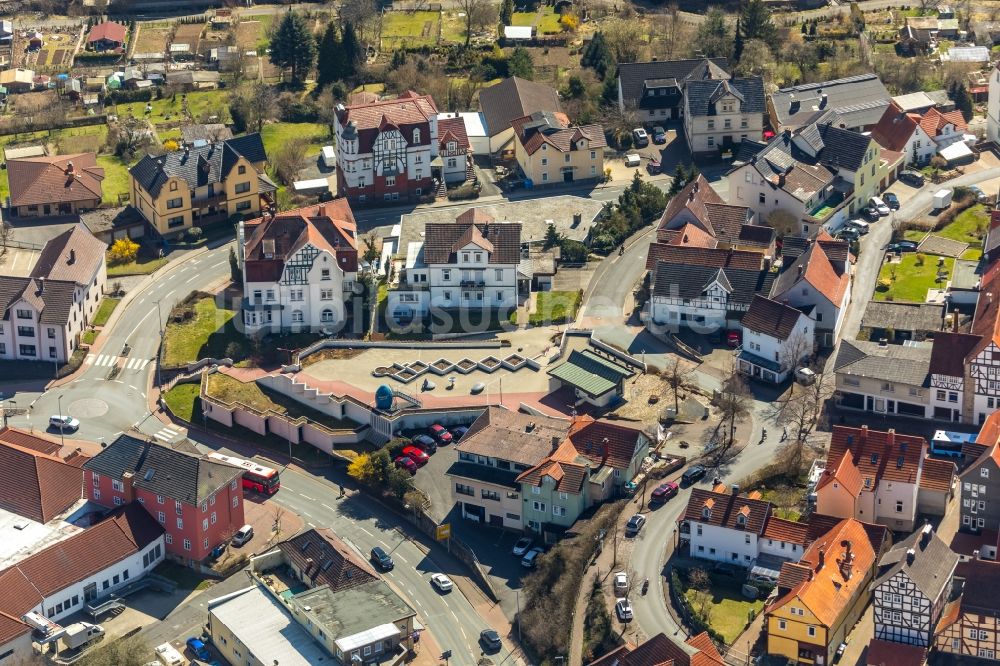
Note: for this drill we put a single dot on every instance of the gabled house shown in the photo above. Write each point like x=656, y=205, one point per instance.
x=948, y=375
x=594, y=379
x=469, y=263
x=76, y=256
x=877, y=477
x=198, y=503
x=299, y=268
x=912, y=587
x=720, y=114
x=454, y=150
x=777, y=338
x=725, y=527
x=386, y=148
x=944, y=128
x=654, y=91
x=203, y=185
x=508, y=100
x=970, y=625
x=819, y=175
x=548, y=149
x=659, y=650
x=853, y=103
x=106, y=36
x=54, y=185
x=883, y=378
x=980, y=508
x=819, y=280
x=904, y=133
x=37, y=484
x=821, y=597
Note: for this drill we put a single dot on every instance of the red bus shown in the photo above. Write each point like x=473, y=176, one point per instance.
x=255, y=477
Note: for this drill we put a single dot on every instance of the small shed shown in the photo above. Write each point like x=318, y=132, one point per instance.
x=515, y=33
x=957, y=153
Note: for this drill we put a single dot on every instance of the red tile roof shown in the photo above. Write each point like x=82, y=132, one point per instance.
x=934, y=121
x=54, y=179
x=884, y=653
x=894, y=129
x=877, y=454
x=787, y=531
x=937, y=475
x=452, y=129
x=37, y=485
x=27, y=440
x=693, y=197
x=333, y=562
x=659, y=650
x=690, y=234
x=595, y=439
x=562, y=136
x=407, y=109
x=702, y=256
x=108, y=31
x=724, y=508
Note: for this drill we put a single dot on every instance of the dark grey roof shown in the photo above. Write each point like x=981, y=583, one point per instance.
x=932, y=567
x=771, y=318
x=992, y=240
x=198, y=166
x=689, y=281
x=515, y=98
x=859, y=101
x=793, y=246
x=53, y=299
x=892, y=363
x=632, y=76
x=903, y=316
x=702, y=96
x=161, y=469
x=484, y=473
x=842, y=147
x=105, y=220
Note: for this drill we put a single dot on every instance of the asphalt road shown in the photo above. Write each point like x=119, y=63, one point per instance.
x=107, y=407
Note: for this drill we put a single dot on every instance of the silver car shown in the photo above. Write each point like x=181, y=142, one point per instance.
x=623, y=609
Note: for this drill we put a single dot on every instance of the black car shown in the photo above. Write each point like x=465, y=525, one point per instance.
x=891, y=200
x=849, y=234
x=458, y=432
x=693, y=473
x=382, y=559
x=425, y=442
x=914, y=178
x=870, y=214
x=902, y=246
x=490, y=639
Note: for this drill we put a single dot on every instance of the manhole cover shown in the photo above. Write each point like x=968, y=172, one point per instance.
x=88, y=408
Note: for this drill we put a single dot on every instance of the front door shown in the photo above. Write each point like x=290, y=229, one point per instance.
x=90, y=592
x=568, y=176
x=496, y=521
x=47, y=209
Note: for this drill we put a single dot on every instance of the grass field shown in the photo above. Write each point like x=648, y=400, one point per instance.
x=181, y=400
x=276, y=134
x=229, y=389
x=410, y=28
x=152, y=39
x=170, y=110
x=969, y=226
x=104, y=311
x=912, y=279
x=523, y=18
x=115, y=178
x=555, y=307
x=549, y=23
x=730, y=612
x=207, y=334
x=141, y=266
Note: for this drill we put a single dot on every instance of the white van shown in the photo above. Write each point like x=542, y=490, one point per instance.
x=879, y=206
x=167, y=655
x=243, y=535
x=632, y=160
x=862, y=226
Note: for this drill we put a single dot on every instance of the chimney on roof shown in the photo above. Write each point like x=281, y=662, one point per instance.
x=696, y=185
x=910, y=555
x=691, y=195
x=69, y=168
x=309, y=564
x=975, y=554
x=848, y=555
x=925, y=535
x=605, y=446
x=954, y=321
x=822, y=559
x=41, y=286
x=529, y=427
x=735, y=489
x=555, y=442
x=321, y=210
x=864, y=434
x=801, y=269
x=891, y=437
x=781, y=179
x=883, y=343
x=72, y=256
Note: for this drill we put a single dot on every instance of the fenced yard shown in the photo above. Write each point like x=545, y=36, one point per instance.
x=152, y=39
x=189, y=33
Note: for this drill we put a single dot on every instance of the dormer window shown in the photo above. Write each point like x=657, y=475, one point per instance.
x=741, y=520
x=416, y=135
x=706, y=513
x=452, y=145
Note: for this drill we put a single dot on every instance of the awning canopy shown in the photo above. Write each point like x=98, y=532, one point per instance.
x=367, y=637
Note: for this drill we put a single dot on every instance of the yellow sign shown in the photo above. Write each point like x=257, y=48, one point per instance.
x=444, y=532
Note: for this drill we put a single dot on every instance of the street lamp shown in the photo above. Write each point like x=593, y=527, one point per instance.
x=159, y=375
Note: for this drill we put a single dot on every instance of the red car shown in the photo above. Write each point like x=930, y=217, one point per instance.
x=663, y=492
x=733, y=339
x=402, y=462
x=416, y=455
x=439, y=433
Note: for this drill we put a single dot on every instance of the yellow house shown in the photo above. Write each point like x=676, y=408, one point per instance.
x=549, y=150
x=201, y=185
x=821, y=597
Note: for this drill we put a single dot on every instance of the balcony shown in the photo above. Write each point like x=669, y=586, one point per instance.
x=472, y=284
x=207, y=200
x=828, y=207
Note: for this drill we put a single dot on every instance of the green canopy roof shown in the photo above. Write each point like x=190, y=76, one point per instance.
x=590, y=373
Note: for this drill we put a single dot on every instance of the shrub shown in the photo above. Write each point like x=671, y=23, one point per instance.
x=920, y=258
x=193, y=234
x=124, y=251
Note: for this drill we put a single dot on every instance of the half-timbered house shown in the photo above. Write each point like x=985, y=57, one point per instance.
x=970, y=625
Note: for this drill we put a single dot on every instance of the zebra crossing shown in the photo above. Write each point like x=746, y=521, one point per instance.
x=107, y=360
x=167, y=434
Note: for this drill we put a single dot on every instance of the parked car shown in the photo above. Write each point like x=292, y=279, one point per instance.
x=733, y=339
x=902, y=246
x=879, y=206
x=198, y=648
x=634, y=524
x=530, y=559
x=891, y=200
x=849, y=233
x=382, y=559
x=659, y=134
x=490, y=639
x=632, y=160
x=63, y=422
x=418, y=456
x=621, y=582
x=404, y=462
x=441, y=582
x=458, y=432
x=425, y=442
x=522, y=546
x=693, y=473
x=640, y=138
x=980, y=195
x=870, y=214
x=805, y=376
x=623, y=609
x=914, y=178
x=439, y=433
x=663, y=492
x=862, y=226
x=653, y=167
x=243, y=535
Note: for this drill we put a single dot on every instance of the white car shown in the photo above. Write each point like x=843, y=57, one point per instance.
x=441, y=582
x=621, y=582
x=879, y=206
x=243, y=535
x=623, y=609
x=862, y=226
x=522, y=546
x=62, y=422
x=805, y=376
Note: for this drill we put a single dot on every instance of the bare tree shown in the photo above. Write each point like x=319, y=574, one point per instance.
x=796, y=350
x=287, y=160
x=255, y=103
x=734, y=402
x=478, y=15
x=279, y=514
x=675, y=376
x=6, y=234
x=621, y=39
x=127, y=136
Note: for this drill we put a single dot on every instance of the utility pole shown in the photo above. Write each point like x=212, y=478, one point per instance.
x=159, y=375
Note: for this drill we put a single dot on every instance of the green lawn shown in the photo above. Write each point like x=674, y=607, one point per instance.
x=229, y=389
x=206, y=335
x=103, y=313
x=181, y=400
x=969, y=226
x=549, y=23
x=523, y=18
x=730, y=611
x=276, y=134
x=912, y=280
x=410, y=28
x=115, y=178
x=555, y=307
x=89, y=336
x=170, y=110
x=141, y=266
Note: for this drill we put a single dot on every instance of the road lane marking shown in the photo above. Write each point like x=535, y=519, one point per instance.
x=138, y=325
x=304, y=496
x=418, y=601
x=166, y=434
x=193, y=278
x=133, y=388
x=169, y=294
x=456, y=618
x=311, y=525
x=89, y=359
x=327, y=506
x=366, y=532
x=400, y=556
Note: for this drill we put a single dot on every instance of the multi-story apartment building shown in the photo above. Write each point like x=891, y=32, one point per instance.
x=725, y=527
x=42, y=315
x=878, y=477
x=299, y=268
x=199, y=504
x=201, y=185
x=550, y=150
x=385, y=148
x=776, y=339
x=720, y=114
x=970, y=625
x=912, y=588
x=821, y=597
x=819, y=281
x=948, y=375
x=882, y=378
x=819, y=175
x=498, y=447
x=902, y=132
x=855, y=103
x=654, y=90
x=980, y=508
x=469, y=263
